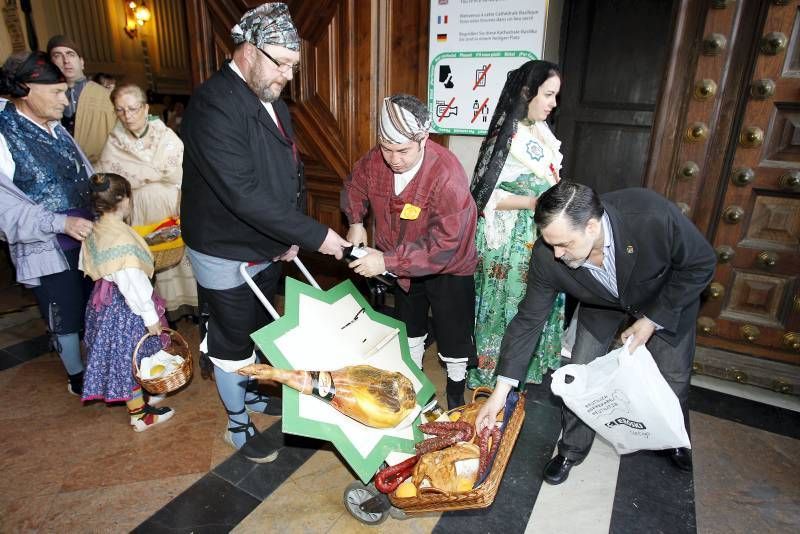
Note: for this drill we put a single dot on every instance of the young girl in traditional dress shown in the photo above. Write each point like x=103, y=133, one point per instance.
x=122, y=307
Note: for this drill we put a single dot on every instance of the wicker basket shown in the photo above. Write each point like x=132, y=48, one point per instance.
x=166, y=258
x=165, y=255
x=480, y=391
x=482, y=496
x=177, y=378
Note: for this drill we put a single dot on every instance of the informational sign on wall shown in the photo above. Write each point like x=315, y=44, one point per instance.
x=473, y=46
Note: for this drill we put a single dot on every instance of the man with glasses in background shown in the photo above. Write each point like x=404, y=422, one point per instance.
x=89, y=115
x=242, y=201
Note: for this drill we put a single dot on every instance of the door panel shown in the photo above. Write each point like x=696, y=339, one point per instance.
x=608, y=150
x=609, y=95
x=782, y=143
x=775, y=223
x=756, y=298
x=757, y=231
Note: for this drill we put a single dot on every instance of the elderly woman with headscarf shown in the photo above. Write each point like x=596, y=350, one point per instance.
x=44, y=200
x=424, y=233
x=519, y=160
x=149, y=155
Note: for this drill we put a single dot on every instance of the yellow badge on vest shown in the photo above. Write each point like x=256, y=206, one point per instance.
x=410, y=212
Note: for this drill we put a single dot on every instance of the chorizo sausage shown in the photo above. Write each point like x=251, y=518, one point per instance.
x=436, y=443
x=387, y=479
x=486, y=455
x=446, y=427
x=445, y=434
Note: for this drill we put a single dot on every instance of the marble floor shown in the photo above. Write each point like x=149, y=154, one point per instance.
x=73, y=468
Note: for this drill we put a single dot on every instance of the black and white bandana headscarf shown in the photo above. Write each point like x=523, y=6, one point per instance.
x=268, y=24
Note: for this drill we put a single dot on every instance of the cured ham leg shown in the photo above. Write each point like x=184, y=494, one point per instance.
x=371, y=396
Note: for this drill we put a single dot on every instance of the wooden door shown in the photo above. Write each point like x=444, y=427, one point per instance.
x=721, y=143
x=723, y=146
x=613, y=57
x=754, y=304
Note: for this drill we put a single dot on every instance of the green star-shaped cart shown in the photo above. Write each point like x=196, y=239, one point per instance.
x=328, y=330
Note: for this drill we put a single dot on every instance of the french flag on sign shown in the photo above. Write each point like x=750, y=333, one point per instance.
x=441, y=19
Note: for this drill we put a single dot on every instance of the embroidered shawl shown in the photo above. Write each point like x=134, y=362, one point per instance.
x=113, y=246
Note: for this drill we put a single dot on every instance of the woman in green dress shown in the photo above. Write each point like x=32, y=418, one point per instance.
x=519, y=160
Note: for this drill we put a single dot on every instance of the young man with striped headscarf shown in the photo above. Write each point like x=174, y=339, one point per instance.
x=425, y=222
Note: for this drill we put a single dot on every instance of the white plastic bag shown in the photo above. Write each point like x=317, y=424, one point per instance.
x=624, y=398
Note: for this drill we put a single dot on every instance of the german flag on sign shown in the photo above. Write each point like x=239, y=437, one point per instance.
x=441, y=37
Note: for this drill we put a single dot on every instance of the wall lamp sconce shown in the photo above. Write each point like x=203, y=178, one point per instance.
x=136, y=14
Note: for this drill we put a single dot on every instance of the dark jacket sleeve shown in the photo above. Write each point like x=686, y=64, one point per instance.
x=524, y=330
x=220, y=142
x=692, y=266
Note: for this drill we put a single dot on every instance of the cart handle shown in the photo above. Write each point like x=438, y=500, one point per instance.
x=305, y=272
x=260, y=295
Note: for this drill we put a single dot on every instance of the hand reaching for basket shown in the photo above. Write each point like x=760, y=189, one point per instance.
x=487, y=415
x=154, y=329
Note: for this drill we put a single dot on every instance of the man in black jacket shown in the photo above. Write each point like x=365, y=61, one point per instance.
x=243, y=201
x=630, y=254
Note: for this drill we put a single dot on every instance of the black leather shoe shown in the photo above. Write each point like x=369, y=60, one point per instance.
x=557, y=469
x=682, y=458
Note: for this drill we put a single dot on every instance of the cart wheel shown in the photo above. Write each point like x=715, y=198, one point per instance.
x=398, y=513
x=355, y=495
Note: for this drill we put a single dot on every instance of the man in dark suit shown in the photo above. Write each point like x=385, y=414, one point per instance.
x=243, y=201
x=630, y=254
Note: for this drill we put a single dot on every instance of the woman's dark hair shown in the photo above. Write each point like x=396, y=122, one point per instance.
x=24, y=68
x=520, y=88
x=530, y=77
x=577, y=202
x=107, y=191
